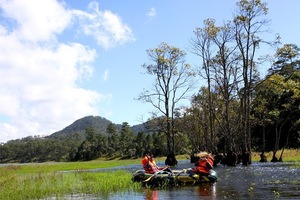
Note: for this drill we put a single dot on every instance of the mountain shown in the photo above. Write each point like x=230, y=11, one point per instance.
x=98, y=123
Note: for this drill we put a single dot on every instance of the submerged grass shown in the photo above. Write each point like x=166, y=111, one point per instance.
x=42, y=181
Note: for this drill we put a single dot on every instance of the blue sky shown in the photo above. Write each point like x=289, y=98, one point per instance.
x=63, y=60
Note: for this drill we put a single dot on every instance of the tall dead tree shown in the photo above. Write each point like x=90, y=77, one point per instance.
x=249, y=25
x=216, y=46
x=173, y=81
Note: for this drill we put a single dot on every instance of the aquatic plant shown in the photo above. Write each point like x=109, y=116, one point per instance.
x=276, y=194
x=227, y=175
x=295, y=165
x=295, y=182
x=250, y=189
x=164, y=183
x=277, y=182
x=259, y=174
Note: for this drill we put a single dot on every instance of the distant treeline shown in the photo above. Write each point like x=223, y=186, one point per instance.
x=124, y=143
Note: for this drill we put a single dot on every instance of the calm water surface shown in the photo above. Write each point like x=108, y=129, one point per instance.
x=257, y=181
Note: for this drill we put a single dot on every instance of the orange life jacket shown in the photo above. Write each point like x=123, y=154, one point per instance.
x=144, y=161
x=149, y=167
x=203, y=166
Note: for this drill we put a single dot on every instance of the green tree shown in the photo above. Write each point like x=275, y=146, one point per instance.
x=141, y=143
x=114, y=144
x=287, y=60
x=150, y=143
x=90, y=133
x=159, y=143
x=281, y=107
x=88, y=149
x=261, y=117
x=127, y=138
x=111, y=129
x=195, y=122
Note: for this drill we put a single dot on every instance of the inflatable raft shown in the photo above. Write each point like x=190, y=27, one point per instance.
x=179, y=177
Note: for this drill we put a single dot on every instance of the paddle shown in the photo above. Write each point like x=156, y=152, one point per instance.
x=148, y=179
x=183, y=171
x=190, y=174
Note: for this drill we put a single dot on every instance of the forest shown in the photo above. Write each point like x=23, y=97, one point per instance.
x=236, y=113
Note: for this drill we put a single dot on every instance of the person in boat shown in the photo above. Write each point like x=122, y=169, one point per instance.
x=204, y=164
x=150, y=166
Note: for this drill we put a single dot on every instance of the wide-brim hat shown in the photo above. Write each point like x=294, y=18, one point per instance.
x=203, y=154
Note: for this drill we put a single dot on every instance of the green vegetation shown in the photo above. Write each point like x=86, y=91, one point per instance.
x=78, y=127
x=276, y=194
x=76, y=131
x=46, y=180
x=79, y=166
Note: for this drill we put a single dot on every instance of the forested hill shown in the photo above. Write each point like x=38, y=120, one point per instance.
x=77, y=129
x=72, y=143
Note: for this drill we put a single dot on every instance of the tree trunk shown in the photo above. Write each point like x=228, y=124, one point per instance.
x=274, y=158
x=263, y=157
x=231, y=158
x=287, y=141
x=171, y=160
x=280, y=158
x=246, y=158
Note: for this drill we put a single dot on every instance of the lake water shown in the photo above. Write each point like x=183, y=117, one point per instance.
x=257, y=181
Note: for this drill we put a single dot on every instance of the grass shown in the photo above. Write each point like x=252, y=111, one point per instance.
x=42, y=181
x=66, y=166
x=288, y=155
x=36, y=181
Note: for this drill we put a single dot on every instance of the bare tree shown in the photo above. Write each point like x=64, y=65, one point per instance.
x=173, y=81
x=216, y=46
x=249, y=25
x=201, y=46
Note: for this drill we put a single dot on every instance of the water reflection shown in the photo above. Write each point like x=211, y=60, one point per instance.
x=200, y=191
x=150, y=194
x=206, y=191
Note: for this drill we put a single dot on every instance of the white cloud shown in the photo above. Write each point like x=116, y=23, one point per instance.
x=152, y=13
x=107, y=28
x=105, y=76
x=39, y=75
x=35, y=19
